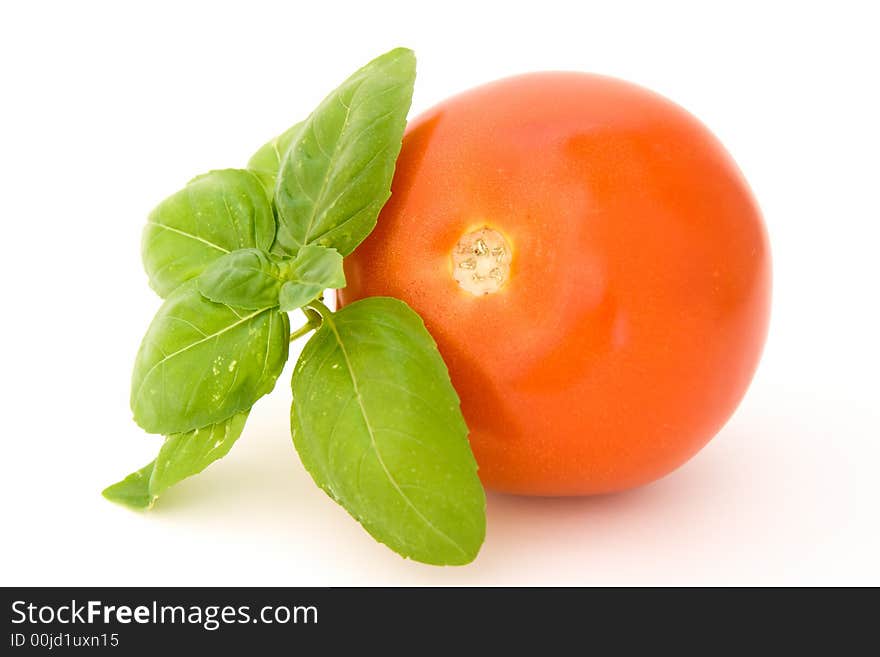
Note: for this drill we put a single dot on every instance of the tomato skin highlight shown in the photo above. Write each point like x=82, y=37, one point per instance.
x=638, y=295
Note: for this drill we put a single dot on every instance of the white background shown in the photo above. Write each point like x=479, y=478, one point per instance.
x=107, y=108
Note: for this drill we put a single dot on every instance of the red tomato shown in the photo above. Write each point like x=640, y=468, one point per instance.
x=593, y=267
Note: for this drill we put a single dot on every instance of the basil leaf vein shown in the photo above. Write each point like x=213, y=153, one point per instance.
x=248, y=278
x=313, y=270
x=336, y=175
x=377, y=424
x=266, y=162
x=215, y=213
x=182, y=455
x=201, y=362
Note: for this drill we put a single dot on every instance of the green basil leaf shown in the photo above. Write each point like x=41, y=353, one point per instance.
x=252, y=279
x=377, y=424
x=201, y=362
x=267, y=161
x=183, y=455
x=336, y=175
x=247, y=278
x=134, y=490
x=214, y=214
x=186, y=454
x=313, y=270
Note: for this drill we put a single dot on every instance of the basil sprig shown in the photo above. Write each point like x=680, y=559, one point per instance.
x=374, y=418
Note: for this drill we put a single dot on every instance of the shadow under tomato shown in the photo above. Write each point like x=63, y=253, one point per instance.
x=514, y=519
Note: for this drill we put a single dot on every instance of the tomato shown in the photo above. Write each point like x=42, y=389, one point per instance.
x=593, y=267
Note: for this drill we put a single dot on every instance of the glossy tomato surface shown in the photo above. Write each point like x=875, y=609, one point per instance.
x=636, y=304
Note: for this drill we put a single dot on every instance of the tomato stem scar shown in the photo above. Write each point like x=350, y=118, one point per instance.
x=481, y=261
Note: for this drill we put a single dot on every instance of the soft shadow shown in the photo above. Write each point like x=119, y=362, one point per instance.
x=267, y=485
x=264, y=496
x=651, y=522
x=515, y=516
x=258, y=488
